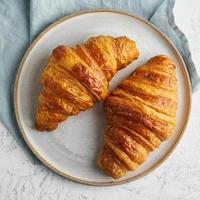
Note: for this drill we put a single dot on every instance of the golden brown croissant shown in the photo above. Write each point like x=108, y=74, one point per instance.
x=141, y=113
x=76, y=77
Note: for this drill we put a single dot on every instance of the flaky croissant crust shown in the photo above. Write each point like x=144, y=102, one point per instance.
x=76, y=77
x=141, y=113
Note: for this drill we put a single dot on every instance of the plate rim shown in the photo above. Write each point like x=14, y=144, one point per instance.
x=54, y=168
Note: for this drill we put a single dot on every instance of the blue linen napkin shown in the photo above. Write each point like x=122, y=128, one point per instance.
x=22, y=20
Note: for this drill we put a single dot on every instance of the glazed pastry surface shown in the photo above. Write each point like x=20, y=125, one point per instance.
x=141, y=113
x=77, y=77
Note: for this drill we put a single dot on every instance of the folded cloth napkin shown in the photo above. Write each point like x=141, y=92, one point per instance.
x=22, y=20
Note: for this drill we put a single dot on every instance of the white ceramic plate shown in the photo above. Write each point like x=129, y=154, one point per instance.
x=71, y=149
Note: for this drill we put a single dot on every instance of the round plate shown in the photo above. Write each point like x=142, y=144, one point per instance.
x=71, y=149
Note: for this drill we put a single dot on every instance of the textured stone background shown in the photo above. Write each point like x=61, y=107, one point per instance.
x=177, y=179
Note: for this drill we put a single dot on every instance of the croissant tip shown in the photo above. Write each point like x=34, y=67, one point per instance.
x=161, y=57
x=43, y=127
x=59, y=52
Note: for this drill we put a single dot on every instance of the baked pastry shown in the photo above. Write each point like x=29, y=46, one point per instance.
x=141, y=113
x=77, y=77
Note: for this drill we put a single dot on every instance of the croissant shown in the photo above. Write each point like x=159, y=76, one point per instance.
x=141, y=113
x=77, y=77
